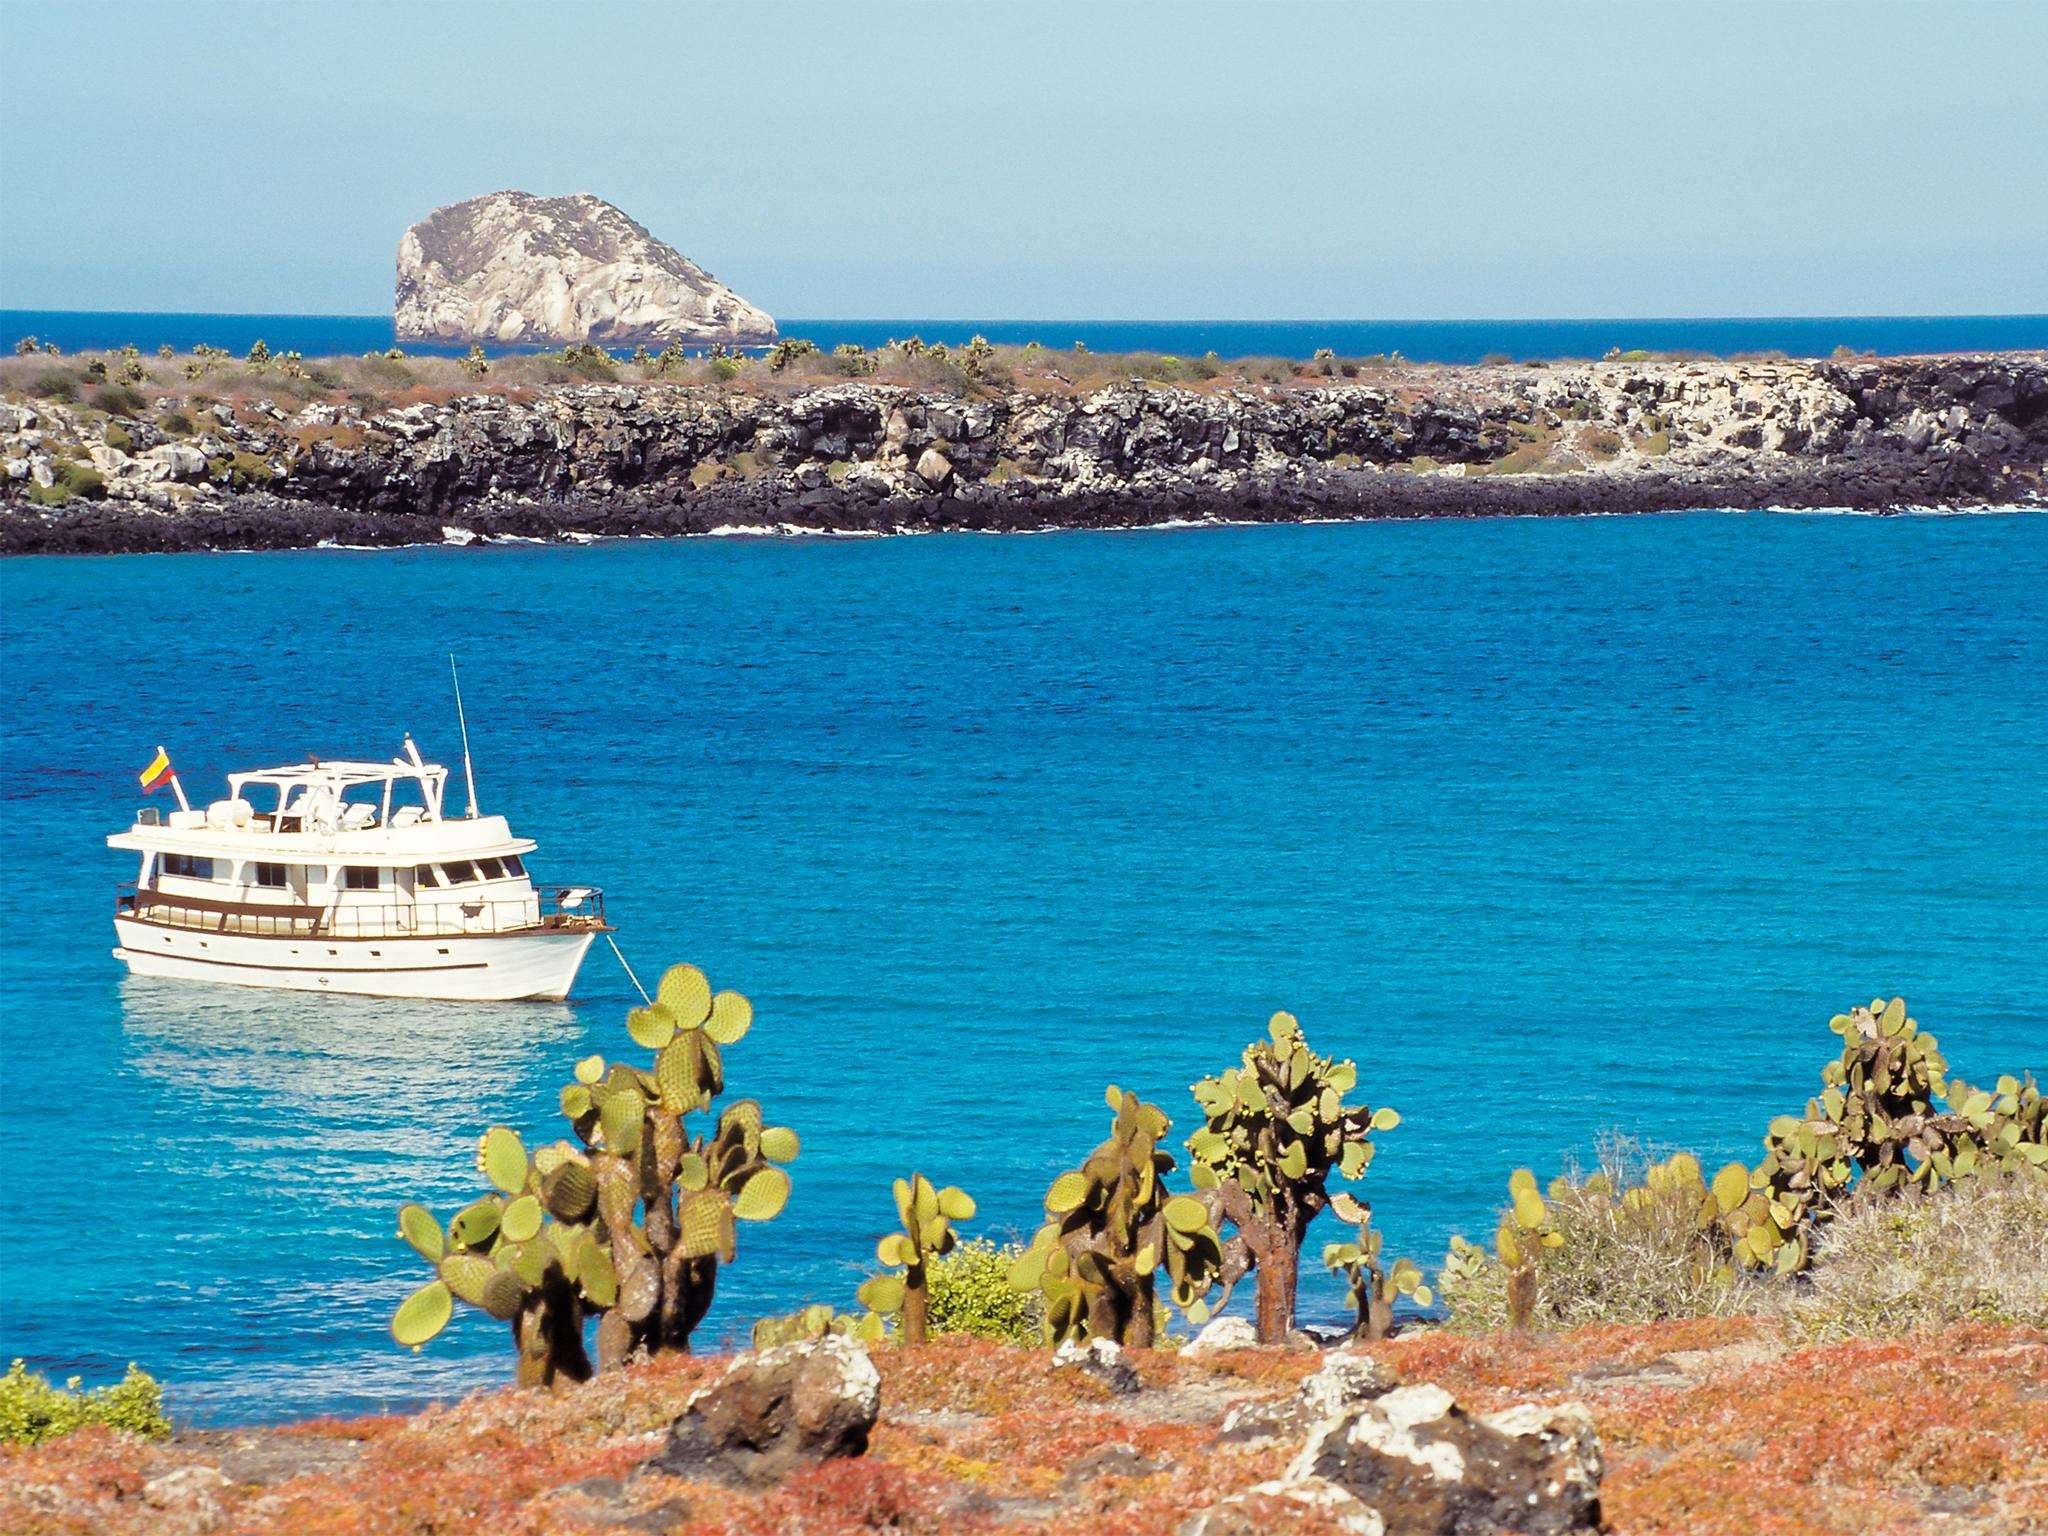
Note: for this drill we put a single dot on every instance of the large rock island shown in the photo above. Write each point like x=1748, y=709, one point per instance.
x=383, y=451
x=514, y=268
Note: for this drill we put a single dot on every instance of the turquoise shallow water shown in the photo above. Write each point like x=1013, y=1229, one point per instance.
x=1556, y=826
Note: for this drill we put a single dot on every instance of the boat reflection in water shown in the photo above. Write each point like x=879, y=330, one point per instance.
x=264, y=1142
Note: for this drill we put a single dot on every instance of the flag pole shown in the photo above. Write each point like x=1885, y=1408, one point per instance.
x=468, y=773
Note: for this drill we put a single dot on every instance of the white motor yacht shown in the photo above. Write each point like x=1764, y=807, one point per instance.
x=347, y=877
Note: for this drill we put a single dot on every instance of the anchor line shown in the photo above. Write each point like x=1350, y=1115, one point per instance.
x=628, y=969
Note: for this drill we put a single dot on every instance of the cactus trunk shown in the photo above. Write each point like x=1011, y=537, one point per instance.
x=1278, y=1262
x=1522, y=1298
x=1144, y=1312
x=915, y=1301
x=549, y=1334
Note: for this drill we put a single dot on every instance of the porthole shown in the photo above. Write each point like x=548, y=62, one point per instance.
x=438, y=951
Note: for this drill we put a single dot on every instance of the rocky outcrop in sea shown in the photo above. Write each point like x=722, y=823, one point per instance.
x=514, y=268
x=860, y=456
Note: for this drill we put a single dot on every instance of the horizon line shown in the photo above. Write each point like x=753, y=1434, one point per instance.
x=228, y=314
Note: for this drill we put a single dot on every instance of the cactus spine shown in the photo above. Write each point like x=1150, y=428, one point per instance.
x=928, y=1215
x=1111, y=1225
x=630, y=1222
x=1277, y=1127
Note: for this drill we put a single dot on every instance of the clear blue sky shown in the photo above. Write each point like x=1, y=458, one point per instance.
x=1052, y=160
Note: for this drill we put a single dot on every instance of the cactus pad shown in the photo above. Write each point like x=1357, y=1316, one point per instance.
x=416, y=1224
x=422, y=1315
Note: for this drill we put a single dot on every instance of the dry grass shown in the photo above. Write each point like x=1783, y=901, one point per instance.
x=377, y=381
x=1976, y=1251
x=1630, y=1255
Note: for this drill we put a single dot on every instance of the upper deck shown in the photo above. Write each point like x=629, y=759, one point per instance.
x=344, y=849
x=394, y=811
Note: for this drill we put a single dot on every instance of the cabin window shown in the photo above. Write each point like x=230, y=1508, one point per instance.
x=269, y=876
x=425, y=877
x=458, y=874
x=360, y=877
x=492, y=869
x=185, y=866
x=514, y=867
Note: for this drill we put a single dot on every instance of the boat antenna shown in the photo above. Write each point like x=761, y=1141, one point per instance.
x=468, y=773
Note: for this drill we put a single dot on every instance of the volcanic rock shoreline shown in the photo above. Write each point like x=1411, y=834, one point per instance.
x=580, y=461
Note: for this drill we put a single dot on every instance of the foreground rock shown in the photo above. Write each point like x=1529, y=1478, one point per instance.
x=1102, y=1359
x=774, y=1412
x=583, y=461
x=1344, y=1381
x=1413, y=1463
x=512, y=267
x=997, y=1440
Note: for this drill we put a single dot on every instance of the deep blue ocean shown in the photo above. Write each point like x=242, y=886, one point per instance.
x=1426, y=341
x=1557, y=826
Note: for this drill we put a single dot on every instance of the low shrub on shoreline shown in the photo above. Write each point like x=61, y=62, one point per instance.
x=32, y=1411
x=1971, y=1252
x=1631, y=1250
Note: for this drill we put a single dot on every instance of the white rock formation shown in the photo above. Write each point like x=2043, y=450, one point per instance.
x=512, y=267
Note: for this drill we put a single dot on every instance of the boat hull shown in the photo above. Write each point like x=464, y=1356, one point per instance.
x=501, y=967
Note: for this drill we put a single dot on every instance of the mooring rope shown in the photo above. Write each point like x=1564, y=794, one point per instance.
x=629, y=970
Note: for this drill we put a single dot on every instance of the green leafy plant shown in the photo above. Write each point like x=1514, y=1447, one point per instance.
x=970, y=1293
x=32, y=1411
x=476, y=365
x=1112, y=1224
x=630, y=1222
x=586, y=360
x=1371, y=1288
x=1276, y=1128
x=70, y=480
x=927, y=1215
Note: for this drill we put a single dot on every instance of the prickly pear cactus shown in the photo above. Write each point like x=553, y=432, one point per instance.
x=928, y=1215
x=1525, y=1230
x=628, y=1223
x=1276, y=1127
x=1371, y=1288
x=1111, y=1225
x=1994, y=1129
x=816, y=1321
x=1887, y=1118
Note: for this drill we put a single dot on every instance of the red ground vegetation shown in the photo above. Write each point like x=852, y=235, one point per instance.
x=1711, y=1428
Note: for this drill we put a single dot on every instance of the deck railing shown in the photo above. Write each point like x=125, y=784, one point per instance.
x=550, y=907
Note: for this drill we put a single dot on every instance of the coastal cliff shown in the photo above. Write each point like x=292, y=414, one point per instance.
x=514, y=268
x=772, y=452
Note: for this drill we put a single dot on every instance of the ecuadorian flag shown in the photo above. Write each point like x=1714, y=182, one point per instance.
x=158, y=770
